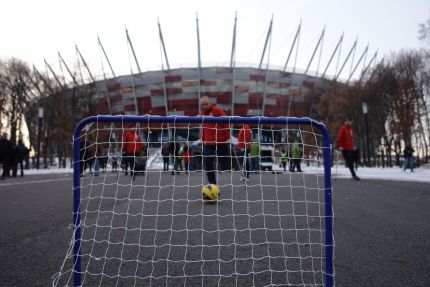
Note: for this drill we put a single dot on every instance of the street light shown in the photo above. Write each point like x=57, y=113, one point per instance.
x=366, y=130
x=39, y=133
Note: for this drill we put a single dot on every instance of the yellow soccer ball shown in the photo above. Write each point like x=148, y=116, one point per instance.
x=210, y=193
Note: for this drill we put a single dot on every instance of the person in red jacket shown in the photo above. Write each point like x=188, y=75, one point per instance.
x=244, y=146
x=186, y=156
x=132, y=146
x=345, y=143
x=215, y=139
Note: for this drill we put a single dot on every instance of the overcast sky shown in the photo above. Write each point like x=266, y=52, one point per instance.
x=34, y=30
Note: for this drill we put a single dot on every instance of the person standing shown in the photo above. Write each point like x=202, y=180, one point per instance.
x=284, y=159
x=345, y=143
x=132, y=147
x=409, y=158
x=255, y=156
x=165, y=153
x=244, y=146
x=6, y=155
x=296, y=155
x=186, y=155
x=21, y=154
x=215, y=139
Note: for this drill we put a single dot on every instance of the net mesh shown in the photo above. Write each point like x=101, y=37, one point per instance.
x=143, y=221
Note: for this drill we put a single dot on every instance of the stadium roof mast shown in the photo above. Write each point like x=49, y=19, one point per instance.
x=102, y=50
x=339, y=44
x=233, y=65
x=75, y=83
x=163, y=46
x=163, y=49
x=106, y=57
x=296, y=39
x=320, y=40
x=358, y=62
x=54, y=74
x=363, y=72
x=88, y=70
x=85, y=64
x=199, y=61
x=132, y=50
x=130, y=45
x=268, y=41
x=346, y=59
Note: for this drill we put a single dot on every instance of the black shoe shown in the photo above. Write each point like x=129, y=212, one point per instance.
x=356, y=178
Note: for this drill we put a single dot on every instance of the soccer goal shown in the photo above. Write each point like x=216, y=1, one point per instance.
x=141, y=219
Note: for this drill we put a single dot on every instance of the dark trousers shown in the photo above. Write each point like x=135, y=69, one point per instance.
x=165, y=163
x=296, y=164
x=214, y=158
x=129, y=160
x=349, y=160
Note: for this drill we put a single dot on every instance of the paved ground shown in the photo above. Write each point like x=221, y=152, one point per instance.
x=381, y=229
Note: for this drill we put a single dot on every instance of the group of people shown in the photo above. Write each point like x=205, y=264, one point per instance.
x=293, y=156
x=12, y=156
x=175, y=153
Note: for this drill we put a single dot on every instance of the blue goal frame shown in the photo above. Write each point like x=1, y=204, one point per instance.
x=329, y=246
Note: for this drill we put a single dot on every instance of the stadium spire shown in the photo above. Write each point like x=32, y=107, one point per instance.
x=346, y=59
x=296, y=39
x=199, y=61
x=315, y=50
x=339, y=43
x=132, y=50
x=268, y=36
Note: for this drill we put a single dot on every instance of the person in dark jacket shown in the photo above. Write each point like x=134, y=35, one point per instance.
x=345, y=143
x=21, y=152
x=408, y=156
x=165, y=153
x=6, y=155
x=215, y=138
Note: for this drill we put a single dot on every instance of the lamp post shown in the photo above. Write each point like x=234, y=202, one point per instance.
x=366, y=131
x=39, y=134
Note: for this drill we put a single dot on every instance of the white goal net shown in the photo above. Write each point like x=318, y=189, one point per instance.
x=140, y=219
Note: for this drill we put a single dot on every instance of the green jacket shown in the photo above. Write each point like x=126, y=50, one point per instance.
x=255, y=149
x=284, y=157
x=295, y=151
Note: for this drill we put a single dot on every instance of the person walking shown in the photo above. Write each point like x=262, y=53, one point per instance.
x=215, y=138
x=408, y=157
x=132, y=147
x=244, y=146
x=344, y=141
x=255, y=156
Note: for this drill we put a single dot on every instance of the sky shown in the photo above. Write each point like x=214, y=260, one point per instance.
x=38, y=30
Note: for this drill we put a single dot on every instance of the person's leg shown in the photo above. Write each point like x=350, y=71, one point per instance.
x=299, y=168
x=209, y=161
x=347, y=155
x=21, y=162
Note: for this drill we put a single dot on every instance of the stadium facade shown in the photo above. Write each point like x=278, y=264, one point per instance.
x=240, y=91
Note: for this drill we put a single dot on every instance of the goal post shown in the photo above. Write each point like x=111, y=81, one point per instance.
x=275, y=229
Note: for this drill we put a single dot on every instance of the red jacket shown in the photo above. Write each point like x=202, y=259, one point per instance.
x=344, y=138
x=186, y=155
x=244, y=138
x=132, y=143
x=214, y=133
